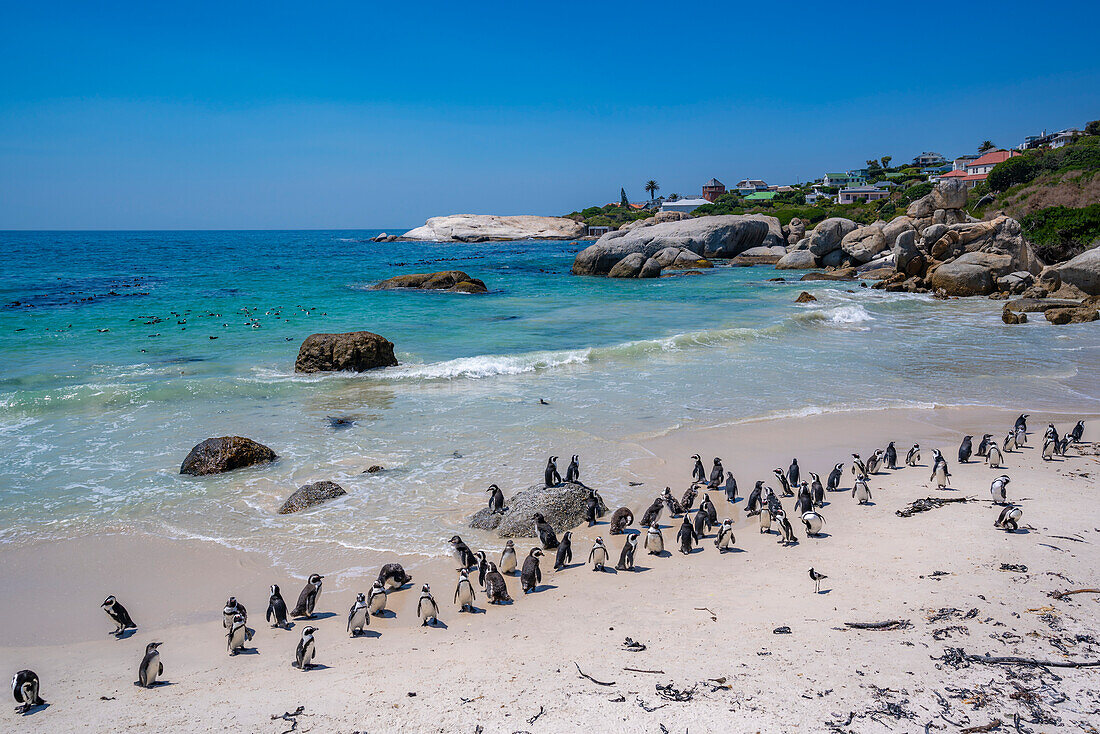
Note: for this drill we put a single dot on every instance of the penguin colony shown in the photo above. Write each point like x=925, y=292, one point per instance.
x=763, y=503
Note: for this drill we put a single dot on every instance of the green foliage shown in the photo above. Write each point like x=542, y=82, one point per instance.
x=612, y=215
x=624, y=202
x=887, y=209
x=1093, y=127
x=986, y=146
x=652, y=187
x=1059, y=232
x=1020, y=169
x=1082, y=155
x=914, y=192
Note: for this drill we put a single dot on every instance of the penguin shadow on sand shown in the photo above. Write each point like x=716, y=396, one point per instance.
x=157, y=684
x=125, y=634
x=366, y=634
x=539, y=588
x=246, y=651
x=317, y=616
x=33, y=709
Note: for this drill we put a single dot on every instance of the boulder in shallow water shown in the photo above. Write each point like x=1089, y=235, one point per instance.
x=311, y=495
x=563, y=507
x=455, y=281
x=828, y=234
x=1082, y=272
x=217, y=455
x=353, y=351
x=797, y=260
x=1078, y=315
x=805, y=297
x=629, y=266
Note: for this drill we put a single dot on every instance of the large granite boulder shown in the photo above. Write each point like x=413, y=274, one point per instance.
x=1078, y=315
x=217, y=455
x=661, y=217
x=892, y=229
x=353, y=351
x=972, y=274
x=629, y=266
x=489, y=227
x=908, y=258
x=950, y=193
x=455, y=281
x=759, y=256
x=797, y=260
x=650, y=269
x=796, y=230
x=1002, y=235
x=863, y=244
x=827, y=235
x=647, y=222
x=680, y=259
x=1082, y=272
x=311, y=495
x=563, y=507
x=720, y=236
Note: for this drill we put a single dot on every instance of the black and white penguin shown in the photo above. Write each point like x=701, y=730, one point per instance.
x=276, y=609
x=725, y=538
x=464, y=592
x=1021, y=436
x=817, y=578
x=1078, y=432
x=730, y=488
x=496, y=590
x=859, y=469
x=598, y=556
x=993, y=456
x=1021, y=423
x=626, y=556
x=874, y=461
x=306, y=650
x=891, y=456
x=358, y=615
x=24, y=687
x=393, y=576
x=805, y=501
x=984, y=444
x=765, y=519
x=861, y=491
x=717, y=474
x=688, y=500
x=686, y=536
x=817, y=492
x=377, y=598
x=620, y=520
x=307, y=600
x=463, y=556
x=592, y=507
x=426, y=608
x=912, y=458
x=654, y=541
x=653, y=513
x=1009, y=519
x=698, y=472
x=1009, y=444
x=813, y=521
x=573, y=471
x=965, y=449
x=783, y=482
x=999, y=489
x=550, y=476
x=711, y=510
x=547, y=537
x=794, y=475
x=565, y=551
x=699, y=523
x=786, y=532
x=482, y=567
x=238, y=635
x=1063, y=445
x=1051, y=433
x=150, y=667
x=496, y=499
x=531, y=575
x=833, y=483
x=118, y=615
x=756, y=499
x=508, y=560
x=940, y=474
x=675, y=509
x=774, y=505
x=231, y=610
x=1049, y=449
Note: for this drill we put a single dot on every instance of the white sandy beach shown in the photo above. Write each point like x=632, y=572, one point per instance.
x=706, y=620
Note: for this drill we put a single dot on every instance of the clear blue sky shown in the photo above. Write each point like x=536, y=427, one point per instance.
x=375, y=114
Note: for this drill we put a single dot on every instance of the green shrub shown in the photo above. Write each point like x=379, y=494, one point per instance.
x=915, y=192
x=1060, y=232
x=1017, y=170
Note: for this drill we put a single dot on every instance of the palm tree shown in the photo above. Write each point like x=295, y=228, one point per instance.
x=652, y=187
x=986, y=145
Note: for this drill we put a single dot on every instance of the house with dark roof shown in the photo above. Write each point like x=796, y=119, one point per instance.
x=713, y=189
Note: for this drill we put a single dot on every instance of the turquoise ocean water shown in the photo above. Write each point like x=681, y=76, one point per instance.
x=111, y=374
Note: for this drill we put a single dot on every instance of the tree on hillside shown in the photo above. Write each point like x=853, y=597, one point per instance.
x=986, y=146
x=1093, y=128
x=623, y=200
x=652, y=187
x=872, y=163
x=886, y=161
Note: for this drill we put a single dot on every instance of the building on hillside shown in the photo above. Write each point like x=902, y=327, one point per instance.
x=842, y=180
x=1053, y=140
x=683, y=205
x=747, y=186
x=761, y=196
x=781, y=189
x=959, y=164
x=816, y=196
x=1064, y=137
x=861, y=193
x=713, y=189
x=884, y=184
x=929, y=159
x=597, y=231
x=982, y=166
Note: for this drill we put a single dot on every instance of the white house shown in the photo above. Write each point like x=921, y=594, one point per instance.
x=683, y=205
x=864, y=193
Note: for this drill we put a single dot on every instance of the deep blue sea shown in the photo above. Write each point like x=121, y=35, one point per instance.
x=121, y=350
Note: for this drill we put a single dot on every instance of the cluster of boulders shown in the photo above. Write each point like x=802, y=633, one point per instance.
x=563, y=506
x=455, y=281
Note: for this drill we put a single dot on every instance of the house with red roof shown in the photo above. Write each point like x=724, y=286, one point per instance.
x=978, y=169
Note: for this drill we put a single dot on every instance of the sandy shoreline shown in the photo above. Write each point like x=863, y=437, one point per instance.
x=509, y=662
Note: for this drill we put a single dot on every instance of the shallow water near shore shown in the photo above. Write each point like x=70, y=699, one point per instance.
x=112, y=375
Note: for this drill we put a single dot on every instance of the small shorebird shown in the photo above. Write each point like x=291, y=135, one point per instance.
x=817, y=580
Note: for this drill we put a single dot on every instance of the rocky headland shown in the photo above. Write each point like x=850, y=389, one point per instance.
x=492, y=228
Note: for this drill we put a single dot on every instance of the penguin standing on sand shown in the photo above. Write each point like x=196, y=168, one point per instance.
x=861, y=491
x=756, y=499
x=698, y=472
x=482, y=567
x=1009, y=519
x=999, y=489
x=377, y=598
x=794, y=475
x=621, y=519
x=1078, y=432
x=730, y=488
x=24, y=686
x=547, y=537
x=573, y=471
x=565, y=551
x=150, y=667
x=393, y=576
x=276, y=609
x=786, y=532
x=231, y=610
x=1049, y=449
x=717, y=473
x=464, y=592
x=598, y=556
x=835, y=476
x=805, y=501
x=307, y=600
x=1009, y=444
x=813, y=521
x=675, y=509
x=687, y=536
x=358, y=615
x=965, y=449
x=118, y=615
x=984, y=444
x=1021, y=423
x=940, y=473
x=783, y=482
x=710, y=510
x=496, y=590
x=859, y=469
x=531, y=575
x=765, y=519
x=817, y=492
x=688, y=500
x=725, y=537
x=238, y=635
x=550, y=476
x=653, y=513
x=426, y=608
x=1021, y=436
x=496, y=500
x=464, y=557
x=654, y=541
x=913, y=457
x=699, y=523
x=993, y=456
x=508, y=560
x=306, y=650
x=1051, y=433
x=874, y=461
x=891, y=456
x=626, y=556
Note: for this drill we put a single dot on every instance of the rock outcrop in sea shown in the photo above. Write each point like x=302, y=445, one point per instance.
x=489, y=227
x=217, y=455
x=563, y=507
x=311, y=495
x=353, y=351
x=454, y=281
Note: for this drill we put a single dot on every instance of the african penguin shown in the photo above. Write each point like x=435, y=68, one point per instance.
x=984, y=444
x=817, y=492
x=913, y=457
x=874, y=461
x=833, y=483
x=805, y=501
x=1049, y=450
x=999, y=489
x=231, y=610
x=464, y=557
x=24, y=687
x=307, y=600
x=717, y=473
x=565, y=551
x=725, y=537
x=1021, y=436
x=653, y=513
x=859, y=469
x=654, y=541
x=547, y=537
x=786, y=532
x=426, y=608
x=1078, y=432
x=150, y=667
x=1009, y=443
x=793, y=474
x=813, y=522
x=573, y=471
x=598, y=556
x=675, y=509
x=377, y=598
x=118, y=615
x=550, y=476
x=1009, y=519
x=358, y=615
x=891, y=456
x=1021, y=423
x=765, y=520
x=940, y=473
x=686, y=536
x=688, y=500
x=496, y=499
x=393, y=576
x=993, y=456
x=306, y=650
x=861, y=491
x=496, y=590
x=711, y=511
x=276, y=608
x=464, y=592
x=592, y=507
x=626, y=557
x=730, y=487
x=783, y=482
x=621, y=519
x=508, y=560
x=756, y=499
x=531, y=575
x=482, y=567
x=965, y=449
x=238, y=635
x=698, y=471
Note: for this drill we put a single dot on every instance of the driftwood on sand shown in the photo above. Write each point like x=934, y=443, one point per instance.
x=925, y=504
x=890, y=624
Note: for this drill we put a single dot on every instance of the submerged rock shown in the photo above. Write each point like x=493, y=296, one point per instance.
x=563, y=507
x=311, y=495
x=805, y=297
x=448, y=280
x=217, y=455
x=1078, y=315
x=354, y=351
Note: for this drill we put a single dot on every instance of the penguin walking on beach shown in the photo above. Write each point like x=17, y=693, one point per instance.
x=688, y=500
x=730, y=488
x=710, y=511
x=965, y=449
x=686, y=536
x=756, y=499
x=833, y=483
x=653, y=513
x=231, y=610
x=717, y=474
x=940, y=473
x=426, y=607
x=794, y=474
x=531, y=575
x=118, y=615
x=1009, y=444
x=984, y=444
x=993, y=456
x=276, y=609
x=817, y=578
x=598, y=556
x=496, y=500
x=621, y=519
x=550, y=475
x=891, y=456
x=654, y=541
x=573, y=471
x=1049, y=449
x=699, y=523
x=912, y=458
x=358, y=615
x=874, y=461
x=565, y=551
x=238, y=635
x=508, y=560
x=464, y=557
x=482, y=567
x=675, y=509
x=817, y=492
x=999, y=489
x=306, y=650
x=464, y=592
x=813, y=521
x=859, y=469
x=805, y=501
x=151, y=666
x=786, y=532
x=547, y=537
x=765, y=519
x=24, y=687
x=307, y=600
x=1009, y=519
x=725, y=539
x=393, y=576
x=1051, y=433
x=784, y=482
x=1021, y=436
x=626, y=556
x=861, y=491
x=496, y=590
x=698, y=471
x=1078, y=432
x=1021, y=423
x=377, y=598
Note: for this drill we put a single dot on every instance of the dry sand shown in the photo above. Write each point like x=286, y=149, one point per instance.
x=706, y=620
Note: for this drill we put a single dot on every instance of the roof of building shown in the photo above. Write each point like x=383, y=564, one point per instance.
x=713, y=182
x=686, y=202
x=761, y=196
x=992, y=158
x=839, y=175
x=862, y=190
